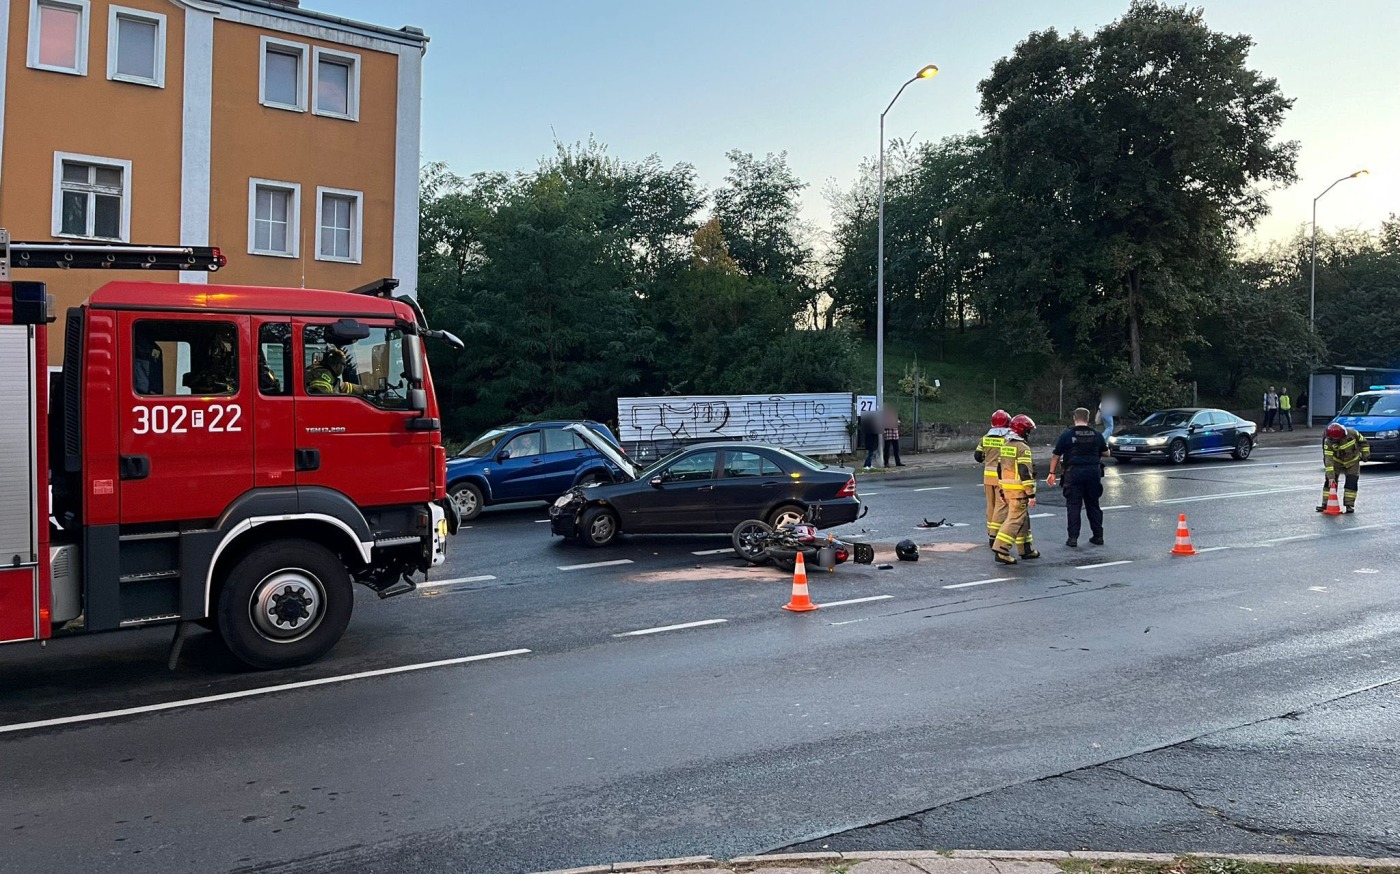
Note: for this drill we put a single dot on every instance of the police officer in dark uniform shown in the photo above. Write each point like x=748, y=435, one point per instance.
x=1081, y=450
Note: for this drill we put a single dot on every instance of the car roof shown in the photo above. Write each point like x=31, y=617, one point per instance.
x=545, y=422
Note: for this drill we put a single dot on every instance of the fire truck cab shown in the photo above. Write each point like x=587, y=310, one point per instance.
x=230, y=456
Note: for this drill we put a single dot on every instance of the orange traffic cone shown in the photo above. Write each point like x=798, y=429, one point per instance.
x=1183, y=538
x=1334, y=506
x=800, y=602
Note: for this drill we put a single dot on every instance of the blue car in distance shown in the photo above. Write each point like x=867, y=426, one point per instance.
x=531, y=461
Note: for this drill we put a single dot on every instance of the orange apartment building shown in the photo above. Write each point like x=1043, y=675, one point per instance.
x=286, y=137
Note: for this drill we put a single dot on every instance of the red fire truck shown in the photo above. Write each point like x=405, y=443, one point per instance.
x=230, y=456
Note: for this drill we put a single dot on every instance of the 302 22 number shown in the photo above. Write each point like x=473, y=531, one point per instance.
x=180, y=419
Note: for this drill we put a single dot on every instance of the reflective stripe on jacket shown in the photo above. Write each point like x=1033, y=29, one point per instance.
x=1016, y=471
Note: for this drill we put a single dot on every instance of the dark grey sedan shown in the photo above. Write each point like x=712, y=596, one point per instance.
x=708, y=488
x=1179, y=434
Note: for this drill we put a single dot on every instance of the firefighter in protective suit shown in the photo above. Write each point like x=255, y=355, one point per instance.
x=1016, y=474
x=988, y=454
x=1343, y=450
x=327, y=378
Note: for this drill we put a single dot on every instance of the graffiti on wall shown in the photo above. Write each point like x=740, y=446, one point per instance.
x=804, y=421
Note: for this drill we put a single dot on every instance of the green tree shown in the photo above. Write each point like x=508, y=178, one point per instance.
x=758, y=208
x=1131, y=161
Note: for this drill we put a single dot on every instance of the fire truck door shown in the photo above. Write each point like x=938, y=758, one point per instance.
x=274, y=406
x=352, y=414
x=19, y=479
x=185, y=391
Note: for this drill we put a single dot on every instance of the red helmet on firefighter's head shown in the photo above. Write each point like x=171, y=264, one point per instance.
x=1023, y=424
x=1336, y=432
x=1000, y=419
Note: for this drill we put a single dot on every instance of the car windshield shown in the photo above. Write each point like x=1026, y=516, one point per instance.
x=1373, y=405
x=483, y=445
x=801, y=459
x=1167, y=419
x=652, y=469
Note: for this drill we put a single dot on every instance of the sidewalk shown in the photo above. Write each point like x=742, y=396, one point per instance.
x=1042, y=441
x=999, y=862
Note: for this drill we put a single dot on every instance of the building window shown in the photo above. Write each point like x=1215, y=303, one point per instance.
x=58, y=35
x=282, y=77
x=136, y=46
x=338, y=225
x=337, y=84
x=91, y=197
x=273, y=210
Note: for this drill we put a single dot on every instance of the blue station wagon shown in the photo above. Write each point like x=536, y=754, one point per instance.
x=531, y=461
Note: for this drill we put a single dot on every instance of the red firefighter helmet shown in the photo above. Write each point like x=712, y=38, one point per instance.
x=1023, y=425
x=1336, y=432
x=1000, y=419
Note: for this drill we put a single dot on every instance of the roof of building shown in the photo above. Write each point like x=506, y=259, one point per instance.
x=292, y=8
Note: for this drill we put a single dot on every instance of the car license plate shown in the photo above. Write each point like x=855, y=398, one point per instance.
x=1129, y=448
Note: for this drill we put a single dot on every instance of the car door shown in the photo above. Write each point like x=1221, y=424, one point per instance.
x=518, y=469
x=1198, y=433
x=680, y=498
x=749, y=484
x=1226, y=430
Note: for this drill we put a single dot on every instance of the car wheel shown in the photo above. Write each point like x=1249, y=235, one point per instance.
x=748, y=539
x=599, y=527
x=787, y=514
x=468, y=499
x=1243, y=447
x=1177, y=451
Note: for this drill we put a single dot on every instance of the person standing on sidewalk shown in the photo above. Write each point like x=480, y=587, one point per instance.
x=1270, y=408
x=1017, y=476
x=892, y=424
x=870, y=436
x=988, y=454
x=1081, y=449
x=1108, y=409
x=1285, y=410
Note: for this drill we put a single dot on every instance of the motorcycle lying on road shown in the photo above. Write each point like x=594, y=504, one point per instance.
x=759, y=543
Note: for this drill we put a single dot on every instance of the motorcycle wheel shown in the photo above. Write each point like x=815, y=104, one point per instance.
x=750, y=540
x=785, y=558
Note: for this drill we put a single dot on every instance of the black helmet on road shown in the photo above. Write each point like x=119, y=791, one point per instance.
x=907, y=550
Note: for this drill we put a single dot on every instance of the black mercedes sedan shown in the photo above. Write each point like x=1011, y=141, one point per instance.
x=1179, y=434
x=708, y=488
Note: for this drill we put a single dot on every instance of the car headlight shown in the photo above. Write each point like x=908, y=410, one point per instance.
x=1112, y=441
x=1156, y=441
x=1387, y=435
x=563, y=500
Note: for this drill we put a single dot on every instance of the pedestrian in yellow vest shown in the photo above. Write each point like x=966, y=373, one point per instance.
x=1285, y=409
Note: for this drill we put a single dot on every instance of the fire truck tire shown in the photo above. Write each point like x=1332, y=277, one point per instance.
x=468, y=499
x=285, y=604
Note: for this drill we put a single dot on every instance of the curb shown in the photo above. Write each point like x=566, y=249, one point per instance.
x=758, y=863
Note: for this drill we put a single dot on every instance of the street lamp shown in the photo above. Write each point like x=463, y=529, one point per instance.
x=928, y=72
x=1312, y=292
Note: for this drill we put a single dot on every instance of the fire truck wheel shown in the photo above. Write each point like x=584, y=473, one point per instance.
x=468, y=499
x=285, y=604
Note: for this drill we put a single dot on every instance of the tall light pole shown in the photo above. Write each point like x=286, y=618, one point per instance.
x=1312, y=291
x=927, y=72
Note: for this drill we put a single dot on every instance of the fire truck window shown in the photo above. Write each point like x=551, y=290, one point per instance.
x=275, y=359
x=371, y=369
x=184, y=358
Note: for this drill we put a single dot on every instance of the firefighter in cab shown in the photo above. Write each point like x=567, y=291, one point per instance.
x=988, y=454
x=327, y=378
x=1016, y=475
x=1343, y=450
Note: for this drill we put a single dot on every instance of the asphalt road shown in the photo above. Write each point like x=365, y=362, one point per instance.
x=1113, y=697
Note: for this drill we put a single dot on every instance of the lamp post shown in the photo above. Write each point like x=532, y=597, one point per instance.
x=927, y=72
x=1312, y=291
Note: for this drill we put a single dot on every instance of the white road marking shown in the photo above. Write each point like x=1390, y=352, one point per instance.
x=1086, y=567
x=1214, y=549
x=1317, y=588
x=1366, y=570
x=1235, y=495
x=538, y=521
x=579, y=567
x=933, y=489
x=1362, y=528
x=712, y=551
x=1286, y=539
x=825, y=604
x=1042, y=515
x=662, y=628
x=438, y=584
x=977, y=583
x=869, y=494
x=1118, y=507
x=253, y=693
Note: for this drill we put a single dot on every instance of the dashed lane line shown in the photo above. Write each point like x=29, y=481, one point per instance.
x=579, y=567
x=660, y=629
x=1293, y=537
x=977, y=583
x=712, y=551
x=1118, y=507
x=933, y=489
x=1048, y=515
x=1195, y=498
x=440, y=584
x=855, y=601
x=1086, y=567
x=253, y=693
x=538, y=521
x=1214, y=549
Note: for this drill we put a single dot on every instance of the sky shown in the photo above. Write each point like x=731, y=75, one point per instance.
x=689, y=81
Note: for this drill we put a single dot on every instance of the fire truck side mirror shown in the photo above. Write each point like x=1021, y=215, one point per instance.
x=418, y=400
x=347, y=331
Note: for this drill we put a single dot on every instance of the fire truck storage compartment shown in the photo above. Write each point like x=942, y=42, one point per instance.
x=19, y=505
